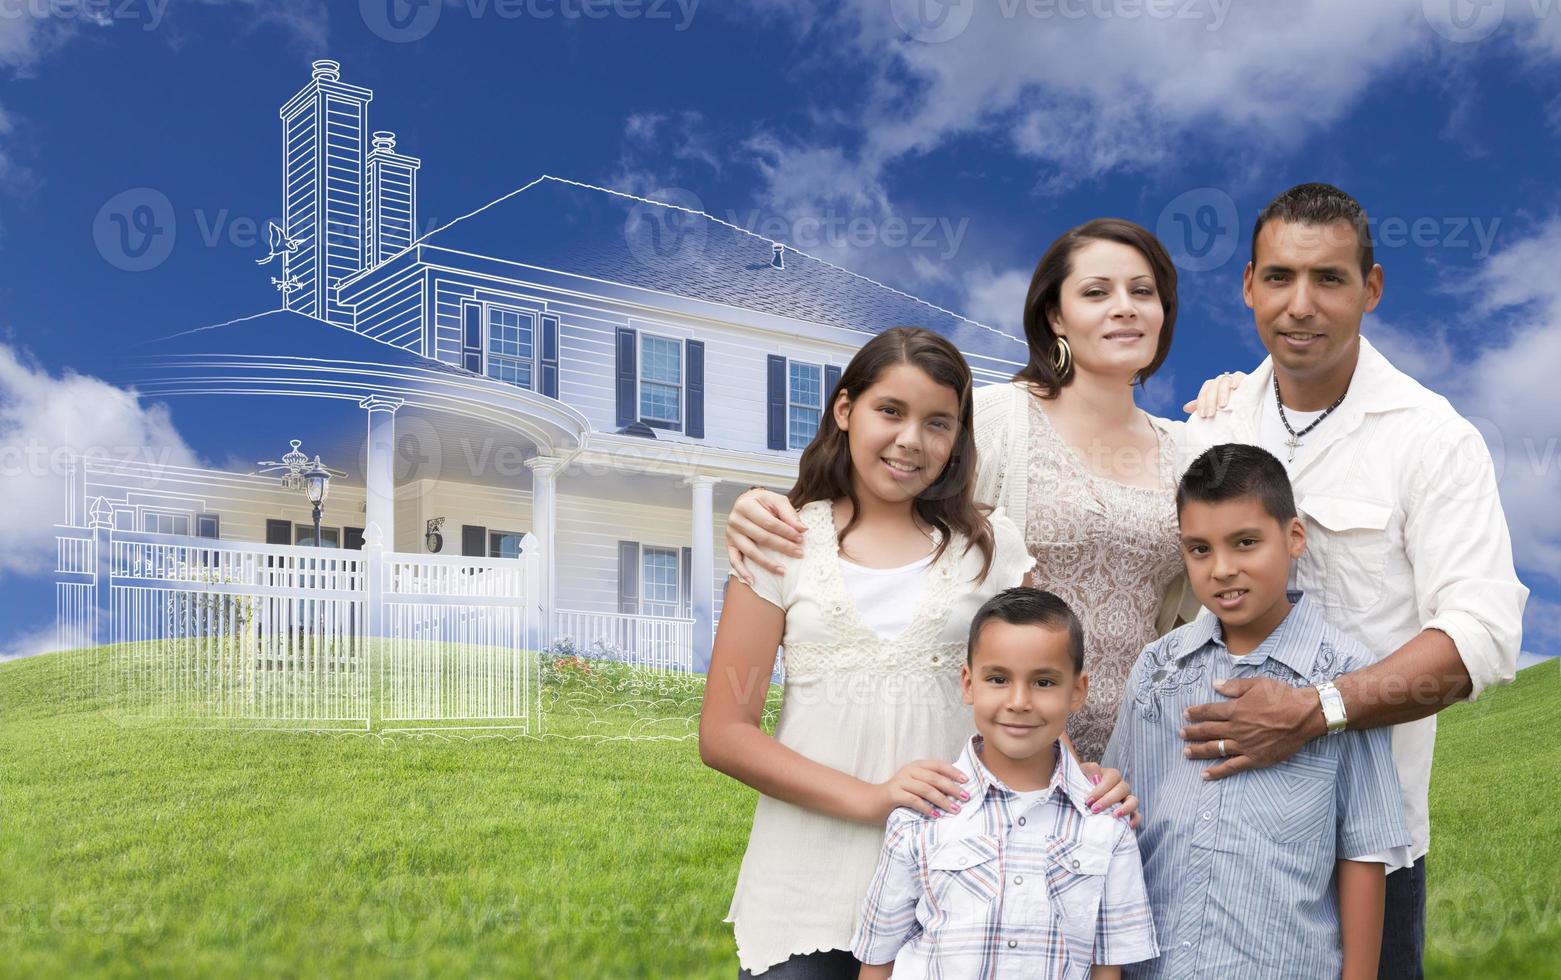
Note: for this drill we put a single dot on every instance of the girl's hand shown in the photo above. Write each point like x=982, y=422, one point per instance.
x=1215, y=394
x=762, y=524
x=1111, y=790
x=929, y=786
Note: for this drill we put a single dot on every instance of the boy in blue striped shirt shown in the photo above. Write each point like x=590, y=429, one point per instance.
x=1275, y=872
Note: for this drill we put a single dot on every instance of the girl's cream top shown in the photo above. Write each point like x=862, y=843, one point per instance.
x=861, y=704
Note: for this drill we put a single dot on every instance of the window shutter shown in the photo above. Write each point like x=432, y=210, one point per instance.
x=831, y=381
x=474, y=541
x=549, y=385
x=352, y=538
x=694, y=378
x=279, y=532
x=629, y=577
x=685, y=583
x=628, y=412
x=777, y=402
x=471, y=336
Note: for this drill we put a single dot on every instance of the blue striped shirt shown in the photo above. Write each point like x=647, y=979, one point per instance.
x=1240, y=871
x=1014, y=885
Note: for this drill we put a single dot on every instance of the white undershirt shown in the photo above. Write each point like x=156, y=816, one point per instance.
x=886, y=598
x=1272, y=435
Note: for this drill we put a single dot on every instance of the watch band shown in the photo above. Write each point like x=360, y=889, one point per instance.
x=1333, y=707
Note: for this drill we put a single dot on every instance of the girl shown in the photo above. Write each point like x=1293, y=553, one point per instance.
x=873, y=618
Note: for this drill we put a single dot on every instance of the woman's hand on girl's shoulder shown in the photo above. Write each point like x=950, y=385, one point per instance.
x=762, y=524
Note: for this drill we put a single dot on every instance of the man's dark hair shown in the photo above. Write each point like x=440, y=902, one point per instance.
x=1233, y=471
x=1318, y=204
x=1023, y=606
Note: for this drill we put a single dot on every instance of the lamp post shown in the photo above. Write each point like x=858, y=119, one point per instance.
x=317, y=483
x=299, y=473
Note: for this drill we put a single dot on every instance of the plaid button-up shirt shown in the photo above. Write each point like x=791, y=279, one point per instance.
x=1005, y=888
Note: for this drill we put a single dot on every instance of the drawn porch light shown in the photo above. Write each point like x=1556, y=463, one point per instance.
x=301, y=473
x=285, y=247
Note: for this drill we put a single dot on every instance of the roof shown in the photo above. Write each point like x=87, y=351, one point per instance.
x=676, y=248
x=286, y=333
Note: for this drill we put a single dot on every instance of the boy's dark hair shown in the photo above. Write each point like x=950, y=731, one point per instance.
x=824, y=471
x=1024, y=606
x=1318, y=204
x=1232, y=471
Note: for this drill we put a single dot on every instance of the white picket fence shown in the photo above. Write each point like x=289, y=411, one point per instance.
x=663, y=643
x=304, y=637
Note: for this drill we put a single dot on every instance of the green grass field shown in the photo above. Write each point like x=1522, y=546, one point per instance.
x=128, y=849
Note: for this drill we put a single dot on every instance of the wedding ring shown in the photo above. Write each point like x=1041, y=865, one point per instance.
x=1222, y=748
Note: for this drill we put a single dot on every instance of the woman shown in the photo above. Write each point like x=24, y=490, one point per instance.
x=1088, y=475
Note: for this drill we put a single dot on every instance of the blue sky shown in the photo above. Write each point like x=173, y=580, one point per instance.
x=936, y=147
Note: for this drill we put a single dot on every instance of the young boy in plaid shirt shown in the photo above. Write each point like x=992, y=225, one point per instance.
x=1024, y=880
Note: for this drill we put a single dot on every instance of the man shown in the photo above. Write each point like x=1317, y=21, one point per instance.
x=1408, y=547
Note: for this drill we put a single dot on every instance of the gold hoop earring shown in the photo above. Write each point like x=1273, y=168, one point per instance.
x=1062, y=357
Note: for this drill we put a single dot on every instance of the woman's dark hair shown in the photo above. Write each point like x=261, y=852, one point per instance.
x=824, y=472
x=1044, y=299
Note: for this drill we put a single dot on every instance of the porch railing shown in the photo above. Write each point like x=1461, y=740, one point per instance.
x=666, y=643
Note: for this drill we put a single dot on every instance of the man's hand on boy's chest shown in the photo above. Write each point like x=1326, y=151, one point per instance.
x=1265, y=722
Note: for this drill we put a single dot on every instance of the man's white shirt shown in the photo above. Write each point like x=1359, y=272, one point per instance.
x=1405, y=532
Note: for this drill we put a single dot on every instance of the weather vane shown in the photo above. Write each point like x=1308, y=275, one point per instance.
x=283, y=246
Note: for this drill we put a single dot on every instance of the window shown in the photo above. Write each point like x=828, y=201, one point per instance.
x=511, y=346
x=659, y=582
x=207, y=525
x=661, y=382
x=504, y=544
x=330, y=537
x=161, y=523
x=805, y=404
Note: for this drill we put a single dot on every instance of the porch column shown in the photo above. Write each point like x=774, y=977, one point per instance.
x=544, y=472
x=701, y=570
x=380, y=466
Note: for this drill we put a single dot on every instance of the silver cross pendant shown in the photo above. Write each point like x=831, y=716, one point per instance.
x=1294, y=442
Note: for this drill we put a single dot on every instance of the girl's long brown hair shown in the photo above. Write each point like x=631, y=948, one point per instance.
x=824, y=472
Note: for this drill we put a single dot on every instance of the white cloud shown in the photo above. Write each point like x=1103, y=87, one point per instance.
x=30, y=644
x=1499, y=370
x=997, y=298
x=43, y=420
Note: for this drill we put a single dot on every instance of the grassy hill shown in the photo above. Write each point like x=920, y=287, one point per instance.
x=128, y=849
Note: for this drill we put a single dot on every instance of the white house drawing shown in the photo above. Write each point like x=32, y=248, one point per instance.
x=562, y=393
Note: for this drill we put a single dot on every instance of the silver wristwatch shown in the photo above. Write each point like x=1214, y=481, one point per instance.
x=1333, y=707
